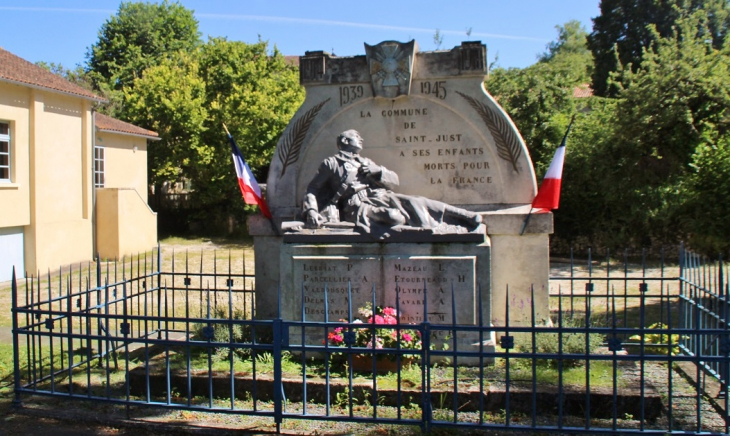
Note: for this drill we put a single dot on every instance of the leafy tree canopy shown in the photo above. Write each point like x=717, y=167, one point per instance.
x=641, y=163
x=539, y=98
x=571, y=40
x=648, y=166
x=625, y=28
x=152, y=66
x=187, y=97
x=138, y=36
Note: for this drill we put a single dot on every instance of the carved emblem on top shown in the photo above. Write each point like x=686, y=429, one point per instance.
x=391, y=67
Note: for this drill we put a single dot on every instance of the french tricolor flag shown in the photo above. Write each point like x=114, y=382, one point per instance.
x=246, y=181
x=548, y=196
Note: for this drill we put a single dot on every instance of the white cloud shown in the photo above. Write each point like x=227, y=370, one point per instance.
x=307, y=21
x=312, y=21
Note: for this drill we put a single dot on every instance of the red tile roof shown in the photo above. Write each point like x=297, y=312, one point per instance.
x=292, y=60
x=106, y=123
x=17, y=70
x=582, y=91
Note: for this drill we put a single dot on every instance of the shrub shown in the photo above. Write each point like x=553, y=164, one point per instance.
x=549, y=343
x=658, y=343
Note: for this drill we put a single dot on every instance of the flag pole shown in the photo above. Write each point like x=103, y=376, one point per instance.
x=527, y=220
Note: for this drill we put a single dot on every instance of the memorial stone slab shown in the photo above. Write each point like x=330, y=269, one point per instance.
x=417, y=279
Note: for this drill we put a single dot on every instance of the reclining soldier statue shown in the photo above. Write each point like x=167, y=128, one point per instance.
x=352, y=188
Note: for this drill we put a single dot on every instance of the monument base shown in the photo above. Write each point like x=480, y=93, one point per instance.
x=440, y=283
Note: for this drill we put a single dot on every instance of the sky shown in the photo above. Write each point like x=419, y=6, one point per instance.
x=515, y=31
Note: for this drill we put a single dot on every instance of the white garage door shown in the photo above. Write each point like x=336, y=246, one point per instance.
x=11, y=253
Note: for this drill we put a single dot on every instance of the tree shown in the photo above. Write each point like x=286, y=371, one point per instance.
x=571, y=40
x=438, y=39
x=138, y=36
x=539, y=98
x=705, y=204
x=187, y=98
x=170, y=99
x=625, y=28
x=672, y=110
x=648, y=166
x=256, y=93
x=76, y=76
x=661, y=147
x=680, y=94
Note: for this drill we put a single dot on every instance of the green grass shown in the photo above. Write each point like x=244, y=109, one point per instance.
x=600, y=374
x=6, y=371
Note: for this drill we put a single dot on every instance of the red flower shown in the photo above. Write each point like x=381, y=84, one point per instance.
x=335, y=338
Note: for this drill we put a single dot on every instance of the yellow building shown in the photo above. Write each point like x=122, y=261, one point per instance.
x=72, y=182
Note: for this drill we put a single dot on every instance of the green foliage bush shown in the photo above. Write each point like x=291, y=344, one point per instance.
x=705, y=197
x=550, y=343
x=658, y=343
x=226, y=333
x=648, y=166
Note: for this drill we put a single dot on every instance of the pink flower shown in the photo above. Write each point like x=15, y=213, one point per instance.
x=407, y=337
x=390, y=320
x=390, y=311
x=378, y=320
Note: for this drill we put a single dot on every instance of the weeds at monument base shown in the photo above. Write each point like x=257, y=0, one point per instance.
x=127, y=343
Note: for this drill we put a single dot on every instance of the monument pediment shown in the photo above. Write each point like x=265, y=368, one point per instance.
x=424, y=115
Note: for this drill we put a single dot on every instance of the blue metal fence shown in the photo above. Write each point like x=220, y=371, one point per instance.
x=632, y=347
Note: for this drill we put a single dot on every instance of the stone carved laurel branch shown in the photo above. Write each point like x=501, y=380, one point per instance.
x=291, y=146
x=508, y=147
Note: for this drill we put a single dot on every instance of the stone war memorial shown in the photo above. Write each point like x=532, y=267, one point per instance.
x=400, y=171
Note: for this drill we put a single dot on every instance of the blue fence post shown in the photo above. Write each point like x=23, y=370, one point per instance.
x=724, y=348
x=278, y=386
x=16, y=351
x=427, y=410
x=682, y=302
x=99, y=342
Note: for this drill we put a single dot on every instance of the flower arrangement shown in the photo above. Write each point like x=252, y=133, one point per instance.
x=376, y=331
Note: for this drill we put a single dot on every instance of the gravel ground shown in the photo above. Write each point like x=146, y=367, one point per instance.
x=39, y=414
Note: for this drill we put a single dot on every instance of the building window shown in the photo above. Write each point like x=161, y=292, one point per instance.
x=98, y=167
x=4, y=152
